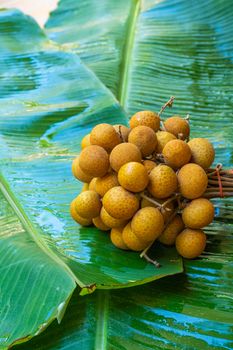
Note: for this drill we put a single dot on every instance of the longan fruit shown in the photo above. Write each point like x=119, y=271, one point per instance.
x=198, y=213
x=176, y=153
x=79, y=219
x=103, y=184
x=144, y=138
x=94, y=161
x=105, y=135
x=168, y=209
x=87, y=204
x=191, y=243
x=78, y=172
x=124, y=153
x=86, y=141
x=192, y=181
x=116, y=238
x=163, y=181
x=131, y=240
x=178, y=127
x=98, y=222
x=146, y=118
x=122, y=131
x=147, y=224
x=133, y=177
x=92, y=184
x=120, y=203
x=168, y=237
x=85, y=187
x=110, y=221
x=163, y=137
x=149, y=165
x=202, y=152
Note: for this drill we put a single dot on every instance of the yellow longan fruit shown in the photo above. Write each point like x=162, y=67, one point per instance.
x=85, y=187
x=87, y=204
x=80, y=220
x=131, y=240
x=192, y=180
x=147, y=224
x=94, y=161
x=133, y=177
x=98, y=222
x=78, y=173
x=163, y=181
x=176, y=153
x=105, y=135
x=163, y=137
x=178, y=127
x=103, y=184
x=124, y=153
x=198, y=213
x=116, y=238
x=85, y=141
x=144, y=138
x=191, y=243
x=122, y=131
x=146, y=118
x=120, y=203
x=149, y=165
x=92, y=184
x=166, y=212
x=110, y=221
x=202, y=152
x=170, y=233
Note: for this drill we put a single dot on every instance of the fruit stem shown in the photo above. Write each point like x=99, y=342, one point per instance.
x=154, y=262
x=176, y=196
x=169, y=104
x=143, y=195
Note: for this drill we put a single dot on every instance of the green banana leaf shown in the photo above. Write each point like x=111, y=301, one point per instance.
x=49, y=100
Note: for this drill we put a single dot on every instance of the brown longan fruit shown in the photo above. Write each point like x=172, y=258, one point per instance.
x=144, y=138
x=178, y=127
x=131, y=240
x=147, y=224
x=168, y=237
x=133, y=177
x=163, y=137
x=86, y=141
x=149, y=165
x=94, y=161
x=116, y=238
x=105, y=135
x=176, y=153
x=103, y=184
x=110, y=221
x=92, y=184
x=79, y=219
x=124, y=153
x=120, y=203
x=191, y=243
x=146, y=118
x=87, y=204
x=98, y=222
x=78, y=172
x=162, y=181
x=166, y=212
x=192, y=180
x=202, y=152
x=122, y=131
x=198, y=213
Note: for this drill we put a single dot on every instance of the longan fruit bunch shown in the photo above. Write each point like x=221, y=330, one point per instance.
x=145, y=182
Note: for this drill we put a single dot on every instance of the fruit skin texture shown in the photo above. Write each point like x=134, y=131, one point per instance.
x=87, y=204
x=191, y=243
x=105, y=135
x=122, y=131
x=176, y=153
x=202, y=152
x=98, y=222
x=147, y=224
x=80, y=220
x=92, y=184
x=166, y=213
x=103, y=184
x=120, y=203
x=146, y=118
x=94, y=161
x=149, y=165
x=85, y=141
x=192, y=180
x=116, y=238
x=170, y=233
x=85, y=187
x=163, y=181
x=144, y=138
x=110, y=221
x=198, y=213
x=131, y=240
x=124, y=153
x=178, y=127
x=163, y=137
x=133, y=177
x=78, y=173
